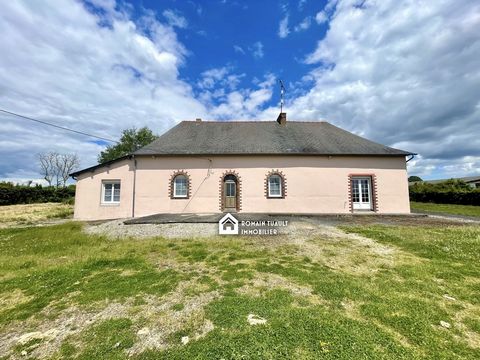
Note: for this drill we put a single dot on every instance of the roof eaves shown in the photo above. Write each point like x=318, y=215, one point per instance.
x=94, y=167
x=399, y=153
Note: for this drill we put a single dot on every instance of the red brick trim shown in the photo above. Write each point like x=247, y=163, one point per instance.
x=374, y=194
x=171, y=187
x=350, y=193
x=238, y=193
x=283, y=184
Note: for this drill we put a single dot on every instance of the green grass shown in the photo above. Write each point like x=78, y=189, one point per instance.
x=390, y=309
x=465, y=210
x=30, y=214
x=61, y=265
x=108, y=340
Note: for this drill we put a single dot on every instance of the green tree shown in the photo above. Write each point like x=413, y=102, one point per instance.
x=131, y=140
x=414, y=178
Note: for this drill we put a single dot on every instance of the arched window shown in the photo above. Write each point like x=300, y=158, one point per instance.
x=275, y=186
x=180, y=186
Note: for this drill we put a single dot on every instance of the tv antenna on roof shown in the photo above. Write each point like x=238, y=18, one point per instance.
x=282, y=92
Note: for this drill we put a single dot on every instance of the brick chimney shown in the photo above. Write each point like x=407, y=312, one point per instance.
x=282, y=118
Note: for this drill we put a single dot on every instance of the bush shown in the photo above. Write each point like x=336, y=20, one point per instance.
x=448, y=192
x=11, y=194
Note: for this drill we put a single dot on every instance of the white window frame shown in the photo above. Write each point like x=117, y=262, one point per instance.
x=175, y=195
x=362, y=205
x=280, y=194
x=111, y=201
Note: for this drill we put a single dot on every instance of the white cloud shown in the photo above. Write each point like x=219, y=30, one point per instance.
x=301, y=4
x=198, y=7
x=175, y=19
x=64, y=66
x=107, y=5
x=321, y=17
x=238, y=49
x=210, y=78
x=23, y=181
x=224, y=99
x=304, y=25
x=441, y=169
x=100, y=74
x=257, y=50
x=404, y=74
x=244, y=103
x=283, y=29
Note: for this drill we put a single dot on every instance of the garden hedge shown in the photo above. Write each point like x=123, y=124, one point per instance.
x=20, y=194
x=448, y=192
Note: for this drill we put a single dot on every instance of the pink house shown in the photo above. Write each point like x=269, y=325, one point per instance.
x=245, y=166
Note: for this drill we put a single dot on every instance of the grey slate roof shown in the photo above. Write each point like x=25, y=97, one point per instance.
x=263, y=138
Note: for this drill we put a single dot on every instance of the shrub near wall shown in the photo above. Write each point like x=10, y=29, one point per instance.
x=20, y=194
x=448, y=192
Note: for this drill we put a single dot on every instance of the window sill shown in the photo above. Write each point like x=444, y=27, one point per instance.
x=179, y=198
x=275, y=197
x=110, y=204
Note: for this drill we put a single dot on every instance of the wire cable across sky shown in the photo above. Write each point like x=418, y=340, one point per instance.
x=57, y=126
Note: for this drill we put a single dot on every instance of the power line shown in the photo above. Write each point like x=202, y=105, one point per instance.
x=57, y=126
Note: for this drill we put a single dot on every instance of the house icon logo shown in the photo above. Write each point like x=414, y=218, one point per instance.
x=228, y=225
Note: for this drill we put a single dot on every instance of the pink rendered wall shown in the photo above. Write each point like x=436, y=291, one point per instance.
x=315, y=184
x=88, y=193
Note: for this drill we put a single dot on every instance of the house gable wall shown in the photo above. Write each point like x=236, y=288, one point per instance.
x=88, y=192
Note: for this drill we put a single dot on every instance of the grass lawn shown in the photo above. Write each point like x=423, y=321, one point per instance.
x=28, y=214
x=466, y=210
x=371, y=292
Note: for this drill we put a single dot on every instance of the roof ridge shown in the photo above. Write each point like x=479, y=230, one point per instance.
x=263, y=137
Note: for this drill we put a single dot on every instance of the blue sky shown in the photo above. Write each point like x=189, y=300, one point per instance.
x=250, y=47
x=242, y=36
x=402, y=73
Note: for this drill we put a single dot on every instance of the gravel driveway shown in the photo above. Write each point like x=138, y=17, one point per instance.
x=297, y=225
x=117, y=228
